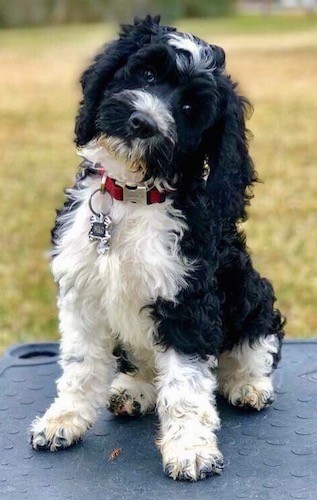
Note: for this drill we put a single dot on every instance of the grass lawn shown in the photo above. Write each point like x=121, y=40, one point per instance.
x=275, y=60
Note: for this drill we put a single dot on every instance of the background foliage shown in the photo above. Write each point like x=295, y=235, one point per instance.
x=274, y=59
x=38, y=12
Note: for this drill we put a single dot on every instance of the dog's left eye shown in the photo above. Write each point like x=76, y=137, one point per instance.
x=149, y=75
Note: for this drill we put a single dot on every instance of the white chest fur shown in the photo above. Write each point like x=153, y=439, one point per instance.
x=143, y=263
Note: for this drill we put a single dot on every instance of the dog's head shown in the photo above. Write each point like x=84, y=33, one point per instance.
x=160, y=102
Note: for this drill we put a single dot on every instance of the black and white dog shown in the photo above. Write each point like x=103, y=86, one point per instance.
x=158, y=301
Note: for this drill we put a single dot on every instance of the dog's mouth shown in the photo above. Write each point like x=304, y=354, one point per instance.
x=129, y=155
x=144, y=159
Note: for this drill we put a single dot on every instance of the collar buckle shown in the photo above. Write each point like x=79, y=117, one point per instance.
x=137, y=194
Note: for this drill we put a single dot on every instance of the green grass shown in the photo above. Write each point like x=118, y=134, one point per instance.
x=274, y=59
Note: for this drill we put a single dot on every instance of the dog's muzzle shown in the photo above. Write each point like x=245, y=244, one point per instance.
x=142, y=125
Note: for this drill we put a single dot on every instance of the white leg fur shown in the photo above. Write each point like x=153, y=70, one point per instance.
x=188, y=416
x=244, y=373
x=88, y=368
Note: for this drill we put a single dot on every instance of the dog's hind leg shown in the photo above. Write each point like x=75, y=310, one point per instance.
x=132, y=392
x=88, y=370
x=245, y=373
x=253, y=339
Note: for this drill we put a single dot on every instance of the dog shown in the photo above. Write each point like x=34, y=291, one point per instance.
x=159, y=304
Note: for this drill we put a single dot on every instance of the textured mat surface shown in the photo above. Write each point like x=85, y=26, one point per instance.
x=268, y=455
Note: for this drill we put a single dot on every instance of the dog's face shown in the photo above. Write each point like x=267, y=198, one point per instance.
x=156, y=101
x=161, y=102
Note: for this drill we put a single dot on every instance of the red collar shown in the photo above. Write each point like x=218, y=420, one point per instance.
x=137, y=194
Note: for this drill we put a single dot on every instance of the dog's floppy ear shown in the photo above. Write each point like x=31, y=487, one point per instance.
x=231, y=168
x=94, y=82
x=95, y=79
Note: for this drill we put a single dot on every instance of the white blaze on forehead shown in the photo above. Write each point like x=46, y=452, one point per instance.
x=186, y=43
x=147, y=103
x=201, y=58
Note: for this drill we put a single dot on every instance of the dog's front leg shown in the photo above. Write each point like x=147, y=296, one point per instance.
x=88, y=368
x=188, y=416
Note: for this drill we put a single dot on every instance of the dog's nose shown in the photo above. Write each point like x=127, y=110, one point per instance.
x=142, y=125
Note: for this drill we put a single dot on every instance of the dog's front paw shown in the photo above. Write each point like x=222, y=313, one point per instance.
x=191, y=463
x=54, y=433
x=131, y=397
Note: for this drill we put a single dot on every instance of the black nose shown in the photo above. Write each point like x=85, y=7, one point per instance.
x=142, y=125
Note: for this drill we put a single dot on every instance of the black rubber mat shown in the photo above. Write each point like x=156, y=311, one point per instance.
x=269, y=455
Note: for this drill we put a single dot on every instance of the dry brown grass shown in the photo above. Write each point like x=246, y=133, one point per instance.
x=39, y=96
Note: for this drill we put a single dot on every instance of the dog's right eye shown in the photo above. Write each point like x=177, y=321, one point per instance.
x=187, y=109
x=149, y=75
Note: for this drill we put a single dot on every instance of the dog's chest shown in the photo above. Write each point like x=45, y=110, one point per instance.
x=144, y=262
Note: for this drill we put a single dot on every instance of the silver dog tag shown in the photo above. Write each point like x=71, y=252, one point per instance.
x=100, y=226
